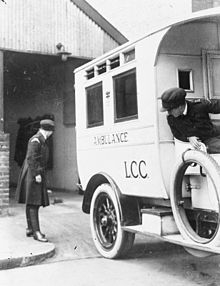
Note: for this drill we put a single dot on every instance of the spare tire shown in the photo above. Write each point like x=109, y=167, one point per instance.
x=210, y=169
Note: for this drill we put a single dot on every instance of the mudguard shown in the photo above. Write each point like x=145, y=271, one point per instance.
x=128, y=205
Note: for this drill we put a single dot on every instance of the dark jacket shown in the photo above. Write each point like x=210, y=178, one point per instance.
x=28, y=190
x=196, y=122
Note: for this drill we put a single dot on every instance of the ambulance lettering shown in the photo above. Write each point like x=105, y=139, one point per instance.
x=114, y=138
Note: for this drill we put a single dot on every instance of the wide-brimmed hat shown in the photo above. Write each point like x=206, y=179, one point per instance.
x=172, y=98
x=47, y=124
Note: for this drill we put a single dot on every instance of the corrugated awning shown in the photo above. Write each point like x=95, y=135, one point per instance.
x=101, y=21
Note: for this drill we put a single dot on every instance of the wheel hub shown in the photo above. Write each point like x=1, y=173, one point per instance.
x=106, y=221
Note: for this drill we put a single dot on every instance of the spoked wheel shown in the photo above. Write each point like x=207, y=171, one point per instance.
x=195, y=223
x=109, y=238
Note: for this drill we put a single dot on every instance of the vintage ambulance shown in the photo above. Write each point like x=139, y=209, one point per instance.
x=136, y=177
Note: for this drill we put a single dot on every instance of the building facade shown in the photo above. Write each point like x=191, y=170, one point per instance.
x=41, y=43
x=204, y=4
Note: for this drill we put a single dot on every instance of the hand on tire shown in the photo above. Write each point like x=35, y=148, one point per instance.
x=195, y=142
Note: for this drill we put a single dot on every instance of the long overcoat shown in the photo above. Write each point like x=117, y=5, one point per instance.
x=28, y=190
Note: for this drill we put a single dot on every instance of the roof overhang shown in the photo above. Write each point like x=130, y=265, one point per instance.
x=101, y=21
x=157, y=34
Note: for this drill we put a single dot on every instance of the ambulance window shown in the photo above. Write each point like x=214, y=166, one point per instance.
x=125, y=93
x=185, y=79
x=90, y=73
x=115, y=62
x=102, y=68
x=129, y=56
x=94, y=105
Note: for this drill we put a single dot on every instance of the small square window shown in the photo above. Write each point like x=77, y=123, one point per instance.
x=129, y=56
x=185, y=79
x=102, y=68
x=90, y=73
x=125, y=93
x=115, y=62
x=94, y=105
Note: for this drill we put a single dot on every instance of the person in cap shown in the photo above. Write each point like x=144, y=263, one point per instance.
x=190, y=121
x=31, y=188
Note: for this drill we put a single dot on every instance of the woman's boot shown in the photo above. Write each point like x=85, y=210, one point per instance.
x=35, y=224
x=29, y=230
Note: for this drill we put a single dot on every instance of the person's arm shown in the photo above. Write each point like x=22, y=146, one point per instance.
x=33, y=159
x=212, y=106
x=183, y=133
x=176, y=130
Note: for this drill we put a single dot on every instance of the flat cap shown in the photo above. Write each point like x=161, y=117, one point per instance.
x=172, y=98
x=47, y=124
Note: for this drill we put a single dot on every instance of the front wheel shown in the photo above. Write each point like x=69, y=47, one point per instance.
x=109, y=238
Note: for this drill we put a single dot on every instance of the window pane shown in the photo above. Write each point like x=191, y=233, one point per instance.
x=184, y=79
x=125, y=95
x=215, y=77
x=90, y=74
x=129, y=56
x=102, y=68
x=114, y=63
x=94, y=105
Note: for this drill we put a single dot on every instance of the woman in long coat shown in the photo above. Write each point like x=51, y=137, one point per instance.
x=31, y=188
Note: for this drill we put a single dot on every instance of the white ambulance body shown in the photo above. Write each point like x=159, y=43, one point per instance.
x=136, y=177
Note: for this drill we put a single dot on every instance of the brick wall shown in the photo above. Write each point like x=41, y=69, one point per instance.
x=204, y=4
x=4, y=173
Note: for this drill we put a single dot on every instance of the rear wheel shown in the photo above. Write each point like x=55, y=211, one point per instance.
x=109, y=238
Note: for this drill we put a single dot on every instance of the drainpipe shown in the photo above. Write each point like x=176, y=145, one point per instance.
x=4, y=148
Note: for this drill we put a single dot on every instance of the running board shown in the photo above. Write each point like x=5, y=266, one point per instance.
x=159, y=221
x=173, y=238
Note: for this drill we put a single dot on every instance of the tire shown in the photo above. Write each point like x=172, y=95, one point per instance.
x=109, y=238
x=212, y=171
x=198, y=253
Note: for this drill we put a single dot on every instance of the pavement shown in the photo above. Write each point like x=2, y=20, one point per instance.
x=18, y=250
x=68, y=231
